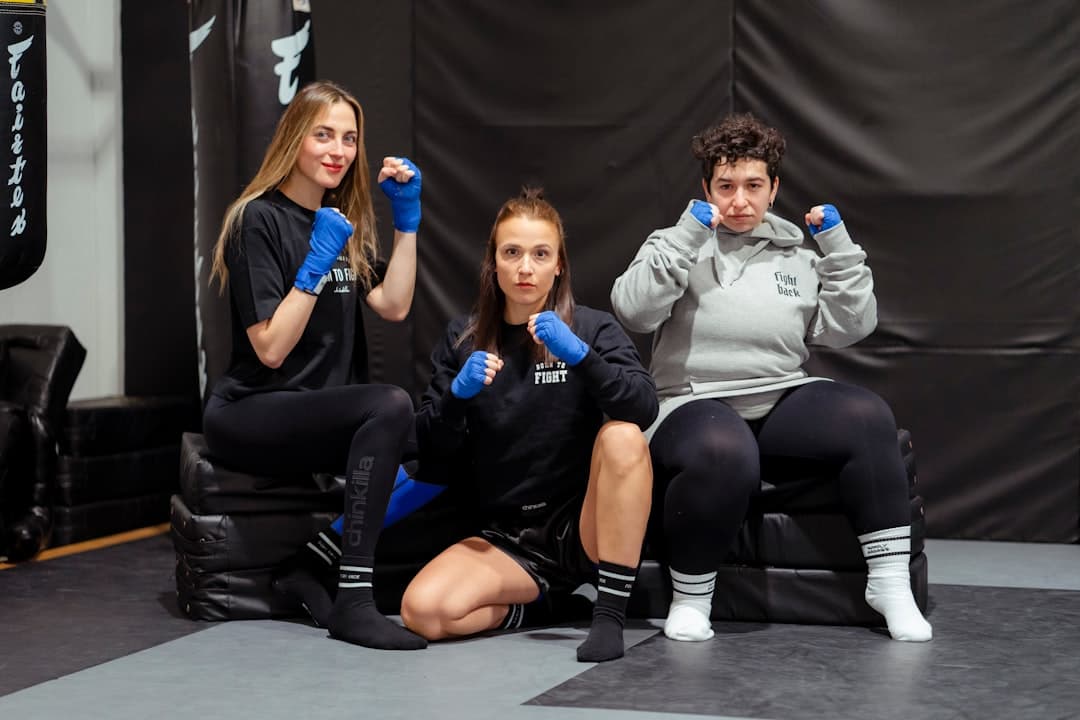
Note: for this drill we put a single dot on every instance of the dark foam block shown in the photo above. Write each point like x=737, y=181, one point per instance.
x=246, y=594
x=783, y=595
x=84, y=522
x=16, y=457
x=83, y=480
x=833, y=597
x=229, y=595
x=993, y=656
x=824, y=540
x=210, y=488
x=218, y=543
x=224, y=563
x=120, y=423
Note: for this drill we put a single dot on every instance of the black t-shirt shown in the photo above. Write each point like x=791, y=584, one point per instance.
x=525, y=441
x=263, y=259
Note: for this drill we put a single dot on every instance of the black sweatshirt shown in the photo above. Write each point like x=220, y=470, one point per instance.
x=525, y=442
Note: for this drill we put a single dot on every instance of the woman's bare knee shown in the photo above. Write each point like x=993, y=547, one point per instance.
x=421, y=611
x=622, y=447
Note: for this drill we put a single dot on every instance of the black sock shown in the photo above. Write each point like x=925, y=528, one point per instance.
x=605, y=641
x=355, y=619
x=515, y=617
x=526, y=615
x=309, y=578
x=372, y=467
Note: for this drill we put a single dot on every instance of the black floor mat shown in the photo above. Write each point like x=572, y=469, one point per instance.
x=996, y=653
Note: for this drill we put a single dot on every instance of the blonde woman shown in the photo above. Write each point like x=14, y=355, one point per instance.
x=298, y=252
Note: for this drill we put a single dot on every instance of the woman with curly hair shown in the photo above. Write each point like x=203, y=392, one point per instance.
x=734, y=298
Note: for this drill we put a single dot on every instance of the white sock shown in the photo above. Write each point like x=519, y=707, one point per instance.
x=888, y=583
x=688, y=618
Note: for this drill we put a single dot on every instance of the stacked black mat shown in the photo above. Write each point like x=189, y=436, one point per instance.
x=118, y=464
x=231, y=529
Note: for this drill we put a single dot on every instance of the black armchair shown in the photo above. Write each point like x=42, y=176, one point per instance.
x=38, y=367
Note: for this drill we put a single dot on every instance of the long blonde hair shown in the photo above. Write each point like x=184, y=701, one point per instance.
x=352, y=196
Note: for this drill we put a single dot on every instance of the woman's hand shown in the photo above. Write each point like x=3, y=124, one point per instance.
x=822, y=217
x=479, y=370
x=400, y=181
x=548, y=329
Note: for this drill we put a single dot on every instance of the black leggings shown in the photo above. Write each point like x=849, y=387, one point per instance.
x=708, y=463
x=356, y=430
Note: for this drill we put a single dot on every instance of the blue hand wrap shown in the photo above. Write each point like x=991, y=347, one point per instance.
x=404, y=199
x=470, y=379
x=702, y=212
x=831, y=220
x=560, y=339
x=329, y=234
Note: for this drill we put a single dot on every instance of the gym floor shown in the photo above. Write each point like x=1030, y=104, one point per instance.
x=97, y=634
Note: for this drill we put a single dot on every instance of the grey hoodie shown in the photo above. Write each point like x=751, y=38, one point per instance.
x=733, y=313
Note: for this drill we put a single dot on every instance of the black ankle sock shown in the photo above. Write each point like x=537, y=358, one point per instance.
x=605, y=641
x=309, y=578
x=355, y=619
x=515, y=617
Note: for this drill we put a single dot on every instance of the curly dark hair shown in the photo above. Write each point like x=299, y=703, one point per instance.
x=738, y=137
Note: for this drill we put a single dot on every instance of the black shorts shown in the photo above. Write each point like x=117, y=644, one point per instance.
x=550, y=549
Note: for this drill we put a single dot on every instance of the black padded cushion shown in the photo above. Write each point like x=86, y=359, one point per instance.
x=224, y=563
x=120, y=423
x=811, y=540
x=39, y=366
x=216, y=543
x=16, y=458
x=757, y=594
x=209, y=488
x=229, y=595
x=93, y=520
x=82, y=480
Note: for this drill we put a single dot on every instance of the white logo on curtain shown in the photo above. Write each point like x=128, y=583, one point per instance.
x=289, y=49
x=196, y=37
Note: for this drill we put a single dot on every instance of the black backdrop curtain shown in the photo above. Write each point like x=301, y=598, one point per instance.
x=947, y=134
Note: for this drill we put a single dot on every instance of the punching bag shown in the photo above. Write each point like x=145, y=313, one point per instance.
x=22, y=122
x=274, y=56
x=248, y=58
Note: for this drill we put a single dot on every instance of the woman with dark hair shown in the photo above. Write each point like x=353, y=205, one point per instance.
x=734, y=299
x=541, y=403
x=298, y=251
